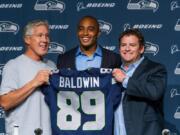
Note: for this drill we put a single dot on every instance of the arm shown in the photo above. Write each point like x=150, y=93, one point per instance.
x=15, y=97
x=150, y=84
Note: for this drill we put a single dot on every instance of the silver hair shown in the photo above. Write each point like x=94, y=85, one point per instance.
x=28, y=29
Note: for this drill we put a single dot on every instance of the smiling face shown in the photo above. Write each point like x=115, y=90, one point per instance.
x=38, y=42
x=130, y=49
x=88, y=32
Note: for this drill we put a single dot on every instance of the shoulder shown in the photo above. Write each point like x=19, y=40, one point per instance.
x=110, y=59
x=14, y=62
x=70, y=52
x=50, y=63
x=110, y=55
x=153, y=64
x=12, y=67
x=108, y=52
x=67, y=55
x=67, y=59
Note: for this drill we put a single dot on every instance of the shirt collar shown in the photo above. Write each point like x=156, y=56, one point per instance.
x=133, y=65
x=97, y=52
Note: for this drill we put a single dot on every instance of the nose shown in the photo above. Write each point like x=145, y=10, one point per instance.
x=85, y=32
x=45, y=38
x=126, y=47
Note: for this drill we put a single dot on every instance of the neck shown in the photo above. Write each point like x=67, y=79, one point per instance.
x=33, y=57
x=88, y=50
x=127, y=63
x=125, y=66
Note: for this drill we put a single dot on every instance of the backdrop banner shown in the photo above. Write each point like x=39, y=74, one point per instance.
x=158, y=20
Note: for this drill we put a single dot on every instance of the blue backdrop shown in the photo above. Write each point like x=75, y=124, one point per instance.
x=158, y=20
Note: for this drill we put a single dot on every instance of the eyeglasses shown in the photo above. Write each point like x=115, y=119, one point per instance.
x=40, y=35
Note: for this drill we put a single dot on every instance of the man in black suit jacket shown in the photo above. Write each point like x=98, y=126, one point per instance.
x=89, y=53
x=144, y=82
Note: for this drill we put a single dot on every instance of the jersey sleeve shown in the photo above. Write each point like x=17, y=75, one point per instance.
x=116, y=93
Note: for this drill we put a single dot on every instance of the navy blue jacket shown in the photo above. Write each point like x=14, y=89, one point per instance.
x=109, y=59
x=143, y=100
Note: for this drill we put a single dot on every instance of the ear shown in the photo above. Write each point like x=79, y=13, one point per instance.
x=142, y=49
x=99, y=33
x=27, y=40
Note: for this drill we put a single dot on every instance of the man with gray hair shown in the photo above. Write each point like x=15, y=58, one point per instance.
x=20, y=95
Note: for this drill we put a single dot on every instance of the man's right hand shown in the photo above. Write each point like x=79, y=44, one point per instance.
x=119, y=75
x=42, y=77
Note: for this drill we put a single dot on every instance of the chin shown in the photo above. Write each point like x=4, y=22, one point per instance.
x=42, y=53
x=127, y=60
x=85, y=44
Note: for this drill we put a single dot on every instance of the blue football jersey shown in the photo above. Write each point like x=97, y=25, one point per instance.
x=82, y=102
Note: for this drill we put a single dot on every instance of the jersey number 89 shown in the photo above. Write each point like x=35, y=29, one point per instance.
x=91, y=102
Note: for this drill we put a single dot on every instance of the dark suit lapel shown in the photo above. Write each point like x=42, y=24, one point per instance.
x=140, y=69
x=74, y=58
x=104, y=58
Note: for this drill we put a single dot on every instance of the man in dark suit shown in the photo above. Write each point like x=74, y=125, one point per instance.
x=144, y=83
x=89, y=54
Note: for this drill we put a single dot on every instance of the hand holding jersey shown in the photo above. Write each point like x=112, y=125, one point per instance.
x=42, y=77
x=119, y=75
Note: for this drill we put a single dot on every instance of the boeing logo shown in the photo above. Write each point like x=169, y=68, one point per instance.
x=177, y=26
x=151, y=48
x=143, y=5
x=56, y=48
x=177, y=113
x=105, y=26
x=8, y=26
x=81, y=5
x=12, y=5
x=177, y=69
x=1, y=68
x=174, y=5
x=174, y=49
x=174, y=92
x=59, y=27
x=126, y=26
x=10, y=48
x=49, y=5
x=143, y=26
